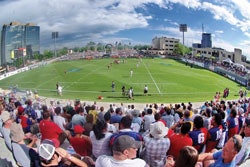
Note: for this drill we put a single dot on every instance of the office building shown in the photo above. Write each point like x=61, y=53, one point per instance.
x=19, y=43
x=206, y=41
x=164, y=45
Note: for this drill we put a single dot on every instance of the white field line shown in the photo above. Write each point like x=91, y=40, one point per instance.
x=78, y=82
x=160, y=83
x=152, y=78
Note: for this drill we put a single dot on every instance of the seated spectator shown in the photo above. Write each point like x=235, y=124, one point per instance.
x=148, y=119
x=24, y=154
x=224, y=135
x=199, y=134
x=167, y=117
x=78, y=118
x=30, y=111
x=65, y=115
x=58, y=119
x=100, y=139
x=93, y=112
x=1, y=121
x=24, y=120
x=50, y=130
x=124, y=154
x=243, y=155
x=116, y=118
x=125, y=129
x=81, y=143
x=110, y=127
x=224, y=157
x=88, y=126
x=188, y=157
x=136, y=121
x=51, y=155
x=156, y=144
x=180, y=140
x=233, y=123
x=10, y=107
x=5, y=128
x=187, y=118
x=214, y=133
x=101, y=113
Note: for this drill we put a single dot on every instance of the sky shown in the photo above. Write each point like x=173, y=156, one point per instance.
x=133, y=21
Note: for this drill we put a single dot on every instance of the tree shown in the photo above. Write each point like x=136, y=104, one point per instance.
x=48, y=54
x=63, y=51
x=141, y=47
x=100, y=47
x=91, y=46
x=182, y=49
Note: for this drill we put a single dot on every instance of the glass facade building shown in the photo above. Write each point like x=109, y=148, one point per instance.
x=206, y=41
x=16, y=36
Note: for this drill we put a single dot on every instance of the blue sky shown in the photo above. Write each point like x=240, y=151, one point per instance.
x=133, y=21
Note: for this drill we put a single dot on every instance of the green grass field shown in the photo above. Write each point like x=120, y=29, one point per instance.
x=168, y=81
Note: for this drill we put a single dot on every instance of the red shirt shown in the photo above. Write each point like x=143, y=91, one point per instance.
x=24, y=121
x=49, y=130
x=177, y=142
x=81, y=146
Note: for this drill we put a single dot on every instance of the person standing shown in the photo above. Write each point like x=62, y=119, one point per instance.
x=60, y=90
x=123, y=90
x=57, y=84
x=145, y=91
x=113, y=86
x=131, y=73
x=131, y=93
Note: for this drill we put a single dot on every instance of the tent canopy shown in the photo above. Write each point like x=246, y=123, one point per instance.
x=228, y=61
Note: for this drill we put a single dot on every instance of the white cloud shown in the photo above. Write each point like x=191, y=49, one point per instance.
x=78, y=18
x=79, y=21
x=188, y=3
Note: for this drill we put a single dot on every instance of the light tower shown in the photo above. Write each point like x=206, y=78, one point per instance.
x=54, y=36
x=183, y=28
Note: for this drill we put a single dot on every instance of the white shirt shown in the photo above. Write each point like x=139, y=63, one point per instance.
x=111, y=128
x=60, y=89
x=111, y=162
x=60, y=121
x=100, y=147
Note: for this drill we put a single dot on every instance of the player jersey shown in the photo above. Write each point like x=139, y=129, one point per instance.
x=199, y=137
x=214, y=135
x=233, y=126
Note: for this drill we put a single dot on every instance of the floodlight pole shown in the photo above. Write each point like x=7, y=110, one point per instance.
x=54, y=36
x=183, y=28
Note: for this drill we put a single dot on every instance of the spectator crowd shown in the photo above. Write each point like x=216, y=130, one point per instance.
x=167, y=135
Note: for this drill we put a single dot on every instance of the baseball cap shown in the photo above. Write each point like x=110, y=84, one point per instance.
x=124, y=142
x=5, y=116
x=78, y=129
x=46, y=149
